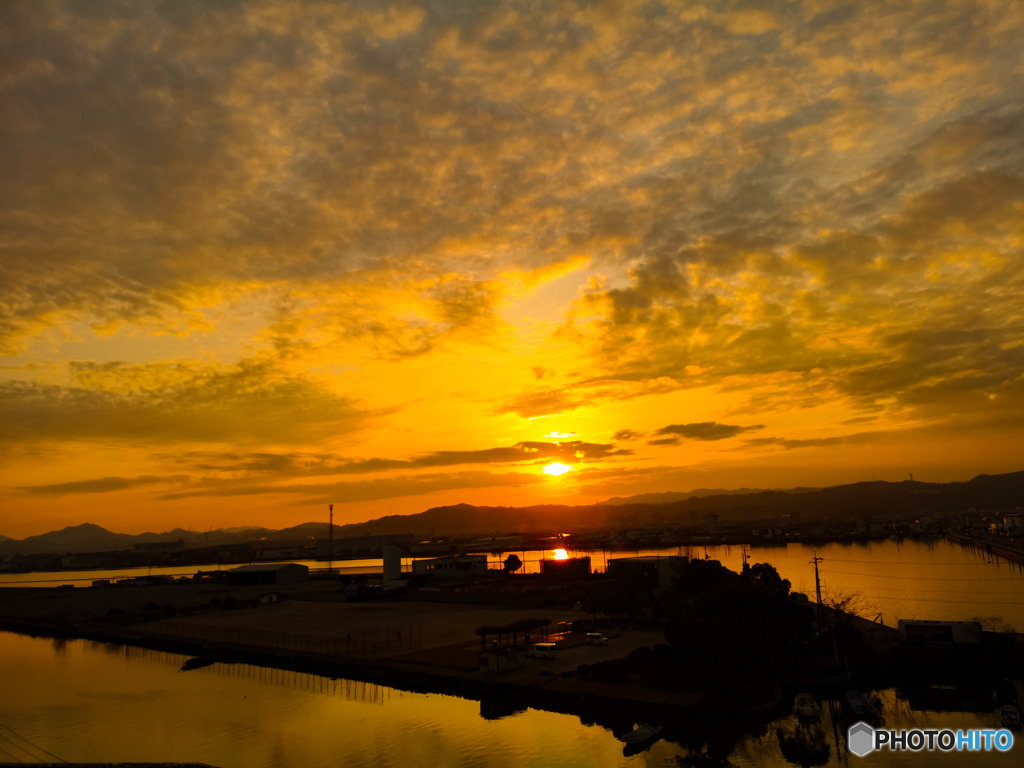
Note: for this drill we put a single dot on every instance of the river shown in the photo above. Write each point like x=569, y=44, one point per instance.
x=82, y=700
x=79, y=700
x=891, y=580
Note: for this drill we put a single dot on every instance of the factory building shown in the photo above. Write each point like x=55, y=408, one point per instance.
x=463, y=565
x=268, y=573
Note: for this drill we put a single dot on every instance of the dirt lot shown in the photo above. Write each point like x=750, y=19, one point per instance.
x=438, y=624
x=77, y=605
x=438, y=636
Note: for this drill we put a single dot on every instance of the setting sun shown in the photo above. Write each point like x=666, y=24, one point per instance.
x=557, y=469
x=561, y=554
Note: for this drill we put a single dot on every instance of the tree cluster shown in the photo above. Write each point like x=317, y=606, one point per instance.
x=735, y=625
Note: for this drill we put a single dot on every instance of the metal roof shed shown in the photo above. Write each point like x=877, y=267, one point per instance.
x=268, y=573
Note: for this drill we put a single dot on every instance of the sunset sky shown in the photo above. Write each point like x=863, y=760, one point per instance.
x=258, y=257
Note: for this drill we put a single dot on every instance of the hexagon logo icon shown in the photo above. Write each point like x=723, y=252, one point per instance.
x=860, y=739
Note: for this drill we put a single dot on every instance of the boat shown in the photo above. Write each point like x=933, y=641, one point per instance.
x=858, y=702
x=1010, y=716
x=806, y=706
x=642, y=733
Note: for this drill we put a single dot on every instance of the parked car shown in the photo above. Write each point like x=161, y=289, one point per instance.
x=543, y=651
x=806, y=706
x=596, y=638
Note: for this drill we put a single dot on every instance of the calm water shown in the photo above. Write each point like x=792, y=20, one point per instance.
x=894, y=580
x=906, y=580
x=937, y=580
x=81, y=700
x=86, y=577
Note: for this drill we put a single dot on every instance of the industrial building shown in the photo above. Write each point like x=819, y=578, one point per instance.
x=659, y=571
x=570, y=566
x=463, y=565
x=160, y=547
x=945, y=633
x=354, y=544
x=269, y=573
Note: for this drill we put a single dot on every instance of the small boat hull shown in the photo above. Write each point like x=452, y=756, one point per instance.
x=858, y=702
x=643, y=732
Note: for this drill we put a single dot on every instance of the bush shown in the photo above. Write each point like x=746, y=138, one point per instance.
x=641, y=656
x=150, y=607
x=665, y=651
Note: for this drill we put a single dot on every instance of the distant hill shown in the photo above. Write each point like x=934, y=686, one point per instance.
x=88, y=537
x=842, y=502
x=670, y=496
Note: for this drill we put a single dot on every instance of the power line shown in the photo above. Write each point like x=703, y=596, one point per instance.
x=904, y=562
x=927, y=600
x=941, y=591
x=927, y=578
x=4, y=751
x=36, y=746
x=19, y=747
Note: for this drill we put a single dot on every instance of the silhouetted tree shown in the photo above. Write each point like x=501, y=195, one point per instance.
x=633, y=595
x=513, y=563
x=766, y=577
x=734, y=625
x=593, y=602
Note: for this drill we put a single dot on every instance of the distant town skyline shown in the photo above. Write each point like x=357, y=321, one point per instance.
x=258, y=258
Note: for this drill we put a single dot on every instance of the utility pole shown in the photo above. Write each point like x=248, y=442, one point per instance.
x=817, y=586
x=330, y=542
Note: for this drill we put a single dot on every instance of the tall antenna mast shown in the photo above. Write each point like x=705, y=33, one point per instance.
x=817, y=585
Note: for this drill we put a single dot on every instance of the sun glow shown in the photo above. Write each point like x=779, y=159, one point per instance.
x=561, y=554
x=557, y=469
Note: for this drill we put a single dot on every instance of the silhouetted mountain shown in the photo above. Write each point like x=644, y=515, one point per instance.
x=77, y=538
x=882, y=500
x=301, y=531
x=670, y=496
x=92, y=538
x=843, y=502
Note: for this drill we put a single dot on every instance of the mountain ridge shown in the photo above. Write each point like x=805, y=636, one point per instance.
x=845, y=502
x=670, y=496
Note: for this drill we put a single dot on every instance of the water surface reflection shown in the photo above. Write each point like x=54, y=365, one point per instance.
x=82, y=700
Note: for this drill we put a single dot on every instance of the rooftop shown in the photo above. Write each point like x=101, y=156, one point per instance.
x=265, y=567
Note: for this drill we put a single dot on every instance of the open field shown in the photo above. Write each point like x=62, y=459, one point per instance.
x=78, y=605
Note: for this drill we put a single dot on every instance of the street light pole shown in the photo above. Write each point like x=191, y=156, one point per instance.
x=330, y=541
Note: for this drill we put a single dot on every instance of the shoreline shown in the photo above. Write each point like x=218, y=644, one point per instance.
x=588, y=705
